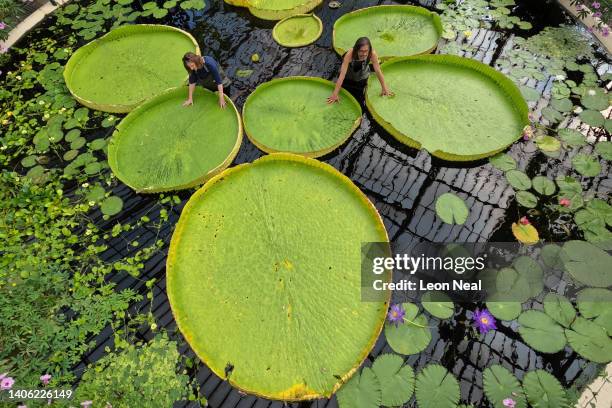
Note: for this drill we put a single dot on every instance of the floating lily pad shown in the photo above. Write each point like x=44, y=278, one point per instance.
x=604, y=149
x=111, y=205
x=131, y=63
x=560, y=309
x=412, y=336
x=562, y=105
x=451, y=209
x=362, y=391
x=503, y=161
x=586, y=165
x=438, y=304
x=530, y=94
x=541, y=332
x=298, y=30
x=592, y=118
x=595, y=99
x=436, y=388
x=274, y=289
x=163, y=146
x=504, y=310
x=543, y=185
x=590, y=340
x=518, y=179
x=587, y=264
x=596, y=303
x=396, y=379
x=543, y=390
x=526, y=199
x=455, y=108
x=572, y=137
x=499, y=384
x=395, y=31
x=276, y=9
x=550, y=256
x=290, y=115
x=548, y=143
x=527, y=234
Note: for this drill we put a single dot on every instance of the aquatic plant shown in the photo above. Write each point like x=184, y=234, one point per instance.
x=298, y=30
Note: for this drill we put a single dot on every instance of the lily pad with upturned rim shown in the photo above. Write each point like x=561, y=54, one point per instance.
x=164, y=146
x=273, y=291
x=276, y=9
x=130, y=64
x=290, y=115
x=456, y=108
x=395, y=30
x=298, y=30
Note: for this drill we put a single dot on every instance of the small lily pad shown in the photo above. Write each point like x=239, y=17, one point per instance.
x=592, y=118
x=526, y=199
x=548, y=143
x=543, y=185
x=438, y=304
x=451, y=209
x=572, y=138
x=503, y=161
x=586, y=165
x=111, y=205
x=604, y=149
x=518, y=180
x=541, y=332
x=526, y=234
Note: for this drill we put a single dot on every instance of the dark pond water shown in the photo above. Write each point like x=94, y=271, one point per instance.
x=402, y=183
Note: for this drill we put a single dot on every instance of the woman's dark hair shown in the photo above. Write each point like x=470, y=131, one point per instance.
x=191, y=57
x=361, y=41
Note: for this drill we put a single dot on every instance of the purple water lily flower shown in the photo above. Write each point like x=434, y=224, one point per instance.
x=596, y=5
x=396, y=315
x=484, y=321
x=2, y=25
x=6, y=383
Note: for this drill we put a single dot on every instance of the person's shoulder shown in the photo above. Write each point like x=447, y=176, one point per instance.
x=348, y=56
x=209, y=60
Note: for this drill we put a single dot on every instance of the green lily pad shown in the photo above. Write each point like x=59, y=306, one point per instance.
x=587, y=264
x=550, y=256
x=586, y=165
x=543, y=185
x=276, y=9
x=115, y=74
x=395, y=31
x=596, y=303
x=163, y=146
x=590, y=340
x=552, y=115
x=95, y=194
x=111, y=205
x=518, y=180
x=548, y=143
x=562, y=105
x=503, y=161
x=543, y=390
x=276, y=286
x=436, y=388
x=362, y=391
x=560, y=309
x=541, y=332
x=604, y=149
x=290, y=115
x=592, y=118
x=572, y=137
x=499, y=384
x=526, y=199
x=438, y=304
x=72, y=135
x=298, y=30
x=455, y=108
x=396, y=379
x=28, y=161
x=530, y=94
x=597, y=102
x=451, y=209
x=412, y=336
x=78, y=143
x=98, y=144
x=504, y=310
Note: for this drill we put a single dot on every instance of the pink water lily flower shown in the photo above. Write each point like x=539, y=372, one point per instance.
x=565, y=202
x=2, y=25
x=45, y=378
x=524, y=221
x=596, y=5
x=6, y=383
x=509, y=403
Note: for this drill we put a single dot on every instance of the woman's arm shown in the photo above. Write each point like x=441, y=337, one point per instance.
x=221, y=96
x=189, y=100
x=379, y=74
x=345, y=63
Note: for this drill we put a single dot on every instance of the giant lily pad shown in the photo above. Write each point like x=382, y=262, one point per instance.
x=130, y=64
x=163, y=146
x=290, y=115
x=395, y=31
x=455, y=108
x=276, y=9
x=271, y=252
x=297, y=31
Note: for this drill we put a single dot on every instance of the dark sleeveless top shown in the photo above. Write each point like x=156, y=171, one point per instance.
x=358, y=71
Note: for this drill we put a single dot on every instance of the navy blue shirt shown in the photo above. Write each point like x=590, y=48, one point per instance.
x=210, y=67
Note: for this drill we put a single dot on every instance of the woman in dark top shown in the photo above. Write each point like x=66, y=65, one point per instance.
x=205, y=71
x=355, y=71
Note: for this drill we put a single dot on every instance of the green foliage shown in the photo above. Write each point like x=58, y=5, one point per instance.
x=541, y=332
x=451, y=209
x=499, y=384
x=436, y=388
x=411, y=337
x=396, y=379
x=364, y=390
x=543, y=390
x=143, y=376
